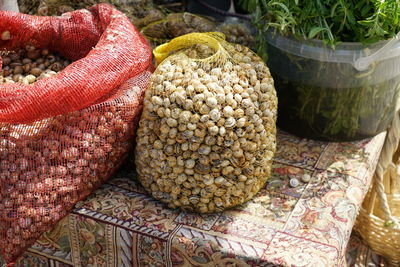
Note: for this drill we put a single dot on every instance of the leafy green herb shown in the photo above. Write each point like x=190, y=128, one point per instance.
x=328, y=100
x=332, y=21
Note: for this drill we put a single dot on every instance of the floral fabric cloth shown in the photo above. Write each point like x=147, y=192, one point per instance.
x=308, y=225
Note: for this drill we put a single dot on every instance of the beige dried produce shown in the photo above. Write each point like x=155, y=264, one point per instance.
x=207, y=134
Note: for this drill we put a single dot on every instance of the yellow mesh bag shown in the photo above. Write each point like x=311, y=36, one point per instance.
x=207, y=134
x=213, y=40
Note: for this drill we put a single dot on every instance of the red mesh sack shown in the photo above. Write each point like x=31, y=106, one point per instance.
x=62, y=136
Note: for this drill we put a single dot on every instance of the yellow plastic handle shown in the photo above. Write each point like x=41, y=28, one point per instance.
x=212, y=39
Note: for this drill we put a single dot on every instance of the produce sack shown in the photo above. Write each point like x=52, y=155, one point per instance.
x=62, y=136
x=207, y=134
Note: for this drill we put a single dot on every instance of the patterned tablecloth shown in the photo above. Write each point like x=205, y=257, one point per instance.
x=310, y=225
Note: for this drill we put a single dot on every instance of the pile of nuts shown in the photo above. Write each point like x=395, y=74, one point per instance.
x=30, y=65
x=48, y=165
x=131, y=8
x=207, y=134
x=158, y=28
x=237, y=33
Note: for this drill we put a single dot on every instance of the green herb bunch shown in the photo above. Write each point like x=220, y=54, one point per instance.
x=332, y=21
x=329, y=100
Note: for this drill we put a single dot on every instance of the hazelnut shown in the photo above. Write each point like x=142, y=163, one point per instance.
x=36, y=72
x=5, y=36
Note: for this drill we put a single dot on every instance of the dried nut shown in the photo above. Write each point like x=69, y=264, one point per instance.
x=42, y=66
x=6, y=61
x=26, y=68
x=36, y=71
x=43, y=163
x=25, y=81
x=34, y=54
x=6, y=35
x=45, y=52
x=17, y=77
x=18, y=70
x=30, y=78
x=56, y=66
x=39, y=60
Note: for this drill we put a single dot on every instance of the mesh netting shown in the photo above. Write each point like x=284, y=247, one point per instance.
x=207, y=135
x=62, y=136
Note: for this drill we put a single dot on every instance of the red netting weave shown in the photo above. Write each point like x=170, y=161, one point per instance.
x=63, y=136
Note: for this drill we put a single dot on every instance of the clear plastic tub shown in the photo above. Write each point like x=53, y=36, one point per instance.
x=342, y=94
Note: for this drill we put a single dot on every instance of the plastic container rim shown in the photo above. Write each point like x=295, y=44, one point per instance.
x=344, y=52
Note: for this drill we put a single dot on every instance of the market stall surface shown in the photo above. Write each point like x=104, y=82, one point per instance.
x=302, y=217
